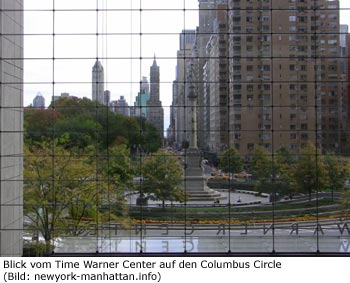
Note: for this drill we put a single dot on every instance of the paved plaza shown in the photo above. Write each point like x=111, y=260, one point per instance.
x=235, y=198
x=328, y=236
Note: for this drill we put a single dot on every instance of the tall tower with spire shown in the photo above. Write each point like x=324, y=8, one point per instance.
x=155, y=112
x=154, y=74
x=98, y=83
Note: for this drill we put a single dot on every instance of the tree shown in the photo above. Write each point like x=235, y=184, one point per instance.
x=163, y=177
x=38, y=122
x=59, y=189
x=152, y=138
x=82, y=131
x=143, y=137
x=117, y=170
x=262, y=168
x=90, y=123
x=335, y=173
x=120, y=169
x=261, y=164
x=284, y=166
x=231, y=161
x=310, y=172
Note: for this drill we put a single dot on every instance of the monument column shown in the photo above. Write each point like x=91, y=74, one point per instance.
x=193, y=100
x=195, y=181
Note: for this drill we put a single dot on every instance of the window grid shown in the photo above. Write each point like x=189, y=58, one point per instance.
x=253, y=80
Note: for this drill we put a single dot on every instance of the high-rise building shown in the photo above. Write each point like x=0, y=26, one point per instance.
x=107, y=97
x=187, y=37
x=140, y=105
x=344, y=46
x=154, y=81
x=98, y=83
x=284, y=74
x=144, y=85
x=173, y=115
x=11, y=127
x=120, y=106
x=207, y=14
x=141, y=100
x=39, y=101
x=344, y=29
x=184, y=59
x=205, y=30
x=346, y=100
x=65, y=95
x=155, y=112
x=216, y=77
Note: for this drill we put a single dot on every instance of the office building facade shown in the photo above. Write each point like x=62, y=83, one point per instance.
x=185, y=58
x=284, y=74
x=216, y=86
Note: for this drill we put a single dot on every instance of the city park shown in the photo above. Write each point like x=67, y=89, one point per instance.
x=96, y=179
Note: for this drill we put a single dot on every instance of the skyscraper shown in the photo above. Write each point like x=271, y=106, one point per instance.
x=344, y=29
x=106, y=97
x=120, y=106
x=144, y=85
x=344, y=63
x=284, y=74
x=184, y=58
x=39, y=101
x=155, y=112
x=346, y=100
x=11, y=128
x=187, y=37
x=141, y=100
x=98, y=83
x=216, y=84
x=207, y=15
x=173, y=115
x=205, y=30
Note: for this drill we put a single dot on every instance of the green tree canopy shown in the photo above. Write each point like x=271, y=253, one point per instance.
x=231, y=161
x=261, y=164
x=284, y=167
x=90, y=123
x=163, y=177
x=64, y=186
x=58, y=186
x=143, y=137
x=336, y=172
x=310, y=171
x=38, y=123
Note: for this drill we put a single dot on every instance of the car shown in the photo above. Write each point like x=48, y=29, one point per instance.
x=219, y=176
x=242, y=175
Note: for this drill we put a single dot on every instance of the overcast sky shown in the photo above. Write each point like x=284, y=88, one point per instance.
x=75, y=45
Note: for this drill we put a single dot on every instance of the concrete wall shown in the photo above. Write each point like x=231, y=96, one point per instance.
x=11, y=125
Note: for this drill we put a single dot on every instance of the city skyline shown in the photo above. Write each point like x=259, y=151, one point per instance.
x=260, y=111
x=122, y=74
